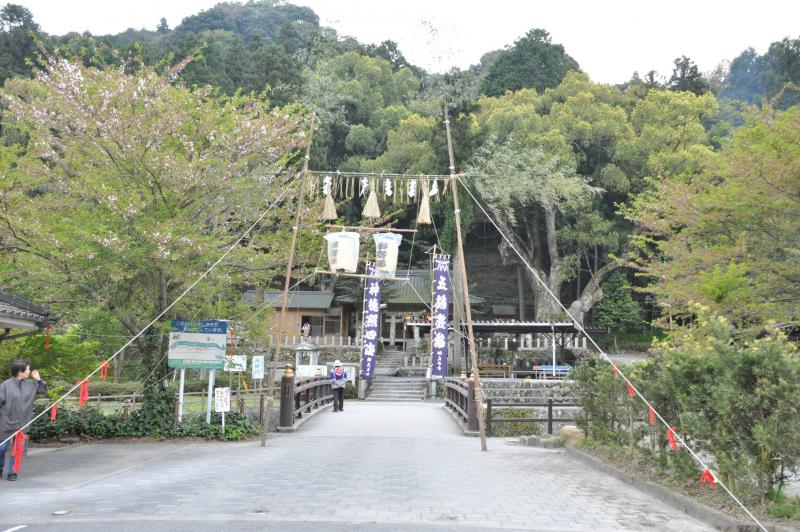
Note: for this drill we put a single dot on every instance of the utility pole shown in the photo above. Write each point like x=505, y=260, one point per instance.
x=464, y=286
x=289, y=265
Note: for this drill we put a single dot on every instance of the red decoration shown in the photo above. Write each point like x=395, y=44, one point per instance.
x=83, y=396
x=671, y=437
x=104, y=370
x=18, y=449
x=652, y=414
x=53, y=411
x=708, y=477
x=47, y=330
x=631, y=391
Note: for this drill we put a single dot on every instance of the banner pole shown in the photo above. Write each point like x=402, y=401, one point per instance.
x=288, y=279
x=464, y=286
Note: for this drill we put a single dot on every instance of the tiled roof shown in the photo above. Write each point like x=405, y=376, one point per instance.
x=20, y=309
x=310, y=299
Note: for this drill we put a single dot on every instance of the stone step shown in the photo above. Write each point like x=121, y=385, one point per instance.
x=412, y=393
x=391, y=397
x=395, y=400
x=396, y=386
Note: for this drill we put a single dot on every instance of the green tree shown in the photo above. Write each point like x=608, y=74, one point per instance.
x=129, y=187
x=533, y=62
x=726, y=234
x=526, y=189
x=617, y=309
x=348, y=90
x=18, y=35
x=687, y=77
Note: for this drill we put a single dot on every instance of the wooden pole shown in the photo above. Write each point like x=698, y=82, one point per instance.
x=289, y=265
x=464, y=286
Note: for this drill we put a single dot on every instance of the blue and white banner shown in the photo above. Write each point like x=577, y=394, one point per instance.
x=441, y=310
x=371, y=327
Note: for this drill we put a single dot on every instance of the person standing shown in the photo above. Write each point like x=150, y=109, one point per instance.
x=338, y=381
x=16, y=406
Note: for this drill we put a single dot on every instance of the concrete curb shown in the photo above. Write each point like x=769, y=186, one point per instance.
x=712, y=517
x=306, y=416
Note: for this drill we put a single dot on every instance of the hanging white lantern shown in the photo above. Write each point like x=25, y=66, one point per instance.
x=387, y=247
x=343, y=251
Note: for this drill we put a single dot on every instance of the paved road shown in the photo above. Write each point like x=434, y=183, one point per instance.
x=375, y=466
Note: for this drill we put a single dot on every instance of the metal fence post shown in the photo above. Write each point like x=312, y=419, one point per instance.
x=287, y=397
x=550, y=416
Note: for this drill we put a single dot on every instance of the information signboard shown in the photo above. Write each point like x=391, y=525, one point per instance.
x=222, y=399
x=236, y=363
x=197, y=344
x=258, y=367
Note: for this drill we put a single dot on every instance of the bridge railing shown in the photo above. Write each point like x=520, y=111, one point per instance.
x=492, y=404
x=301, y=396
x=460, y=398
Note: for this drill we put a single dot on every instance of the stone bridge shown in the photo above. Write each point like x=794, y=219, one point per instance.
x=376, y=466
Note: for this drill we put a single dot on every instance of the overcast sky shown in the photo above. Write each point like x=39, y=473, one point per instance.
x=610, y=39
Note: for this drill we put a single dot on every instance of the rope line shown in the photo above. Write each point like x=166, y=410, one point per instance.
x=175, y=302
x=606, y=358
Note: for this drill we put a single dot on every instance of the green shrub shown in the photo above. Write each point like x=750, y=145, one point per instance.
x=155, y=419
x=733, y=398
x=783, y=506
x=514, y=429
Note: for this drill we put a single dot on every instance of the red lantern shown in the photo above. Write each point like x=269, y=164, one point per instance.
x=631, y=391
x=652, y=414
x=104, y=370
x=53, y=411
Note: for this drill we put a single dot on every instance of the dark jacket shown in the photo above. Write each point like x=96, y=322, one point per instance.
x=16, y=403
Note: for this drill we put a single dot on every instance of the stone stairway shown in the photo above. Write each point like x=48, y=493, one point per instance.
x=386, y=387
x=389, y=361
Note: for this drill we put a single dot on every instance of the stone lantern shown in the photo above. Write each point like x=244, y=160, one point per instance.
x=303, y=349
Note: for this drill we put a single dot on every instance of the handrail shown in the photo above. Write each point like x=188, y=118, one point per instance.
x=301, y=396
x=490, y=404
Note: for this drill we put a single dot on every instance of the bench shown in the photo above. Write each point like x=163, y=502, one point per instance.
x=495, y=370
x=546, y=372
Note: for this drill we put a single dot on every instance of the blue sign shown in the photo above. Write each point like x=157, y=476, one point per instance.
x=204, y=326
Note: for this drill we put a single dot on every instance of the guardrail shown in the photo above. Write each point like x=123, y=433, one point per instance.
x=460, y=398
x=301, y=396
x=490, y=404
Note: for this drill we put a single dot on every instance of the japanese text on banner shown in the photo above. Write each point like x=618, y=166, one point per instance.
x=440, y=309
x=371, y=328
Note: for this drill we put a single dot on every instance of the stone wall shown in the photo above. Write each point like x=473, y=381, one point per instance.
x=510, y=390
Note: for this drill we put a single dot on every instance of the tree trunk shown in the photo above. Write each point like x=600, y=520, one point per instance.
x=592, y=293
x=546, y=308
